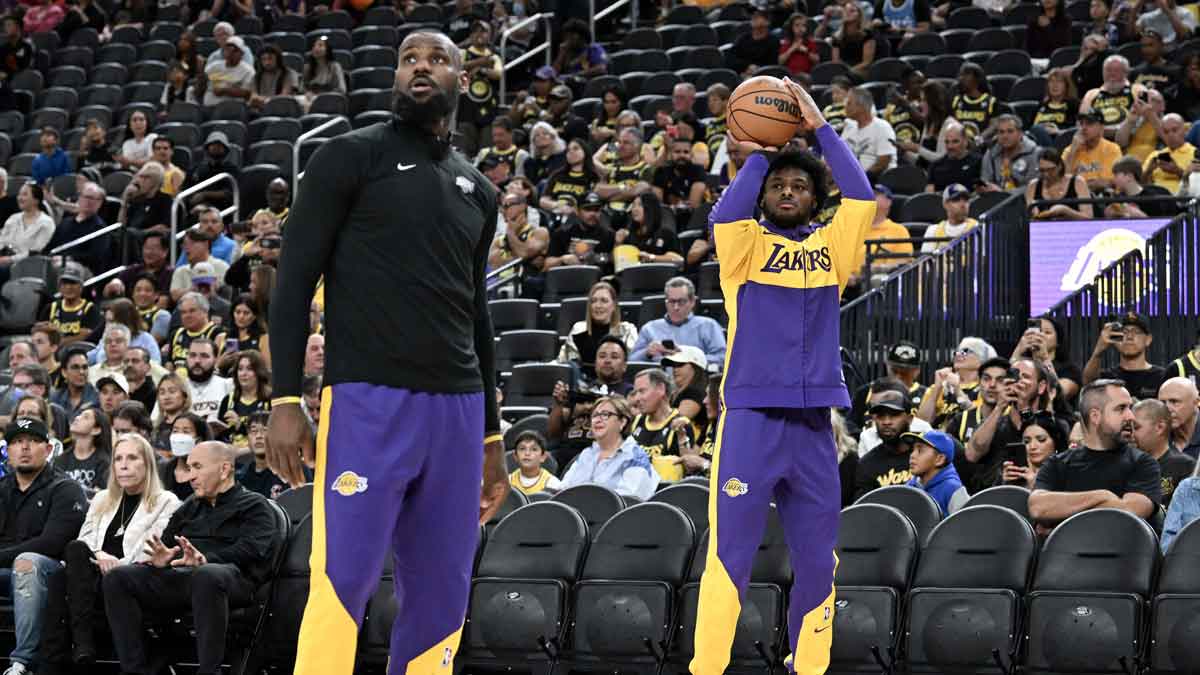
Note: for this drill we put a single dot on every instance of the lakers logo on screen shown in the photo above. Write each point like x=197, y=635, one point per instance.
x=348, y=484
x=735, y=488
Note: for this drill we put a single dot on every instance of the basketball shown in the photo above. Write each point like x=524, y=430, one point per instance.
x=361, y=5
x=763, y=111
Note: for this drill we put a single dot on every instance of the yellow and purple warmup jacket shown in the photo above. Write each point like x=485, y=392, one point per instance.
x=782, y=373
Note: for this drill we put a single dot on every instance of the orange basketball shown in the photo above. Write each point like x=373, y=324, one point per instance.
x=763, y=111
x=361, y=5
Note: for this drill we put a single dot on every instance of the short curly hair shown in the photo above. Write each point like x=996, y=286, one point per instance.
x=807, y=162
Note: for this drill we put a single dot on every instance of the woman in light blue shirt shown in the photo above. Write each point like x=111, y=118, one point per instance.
x=615, y=461
x=1185, y=507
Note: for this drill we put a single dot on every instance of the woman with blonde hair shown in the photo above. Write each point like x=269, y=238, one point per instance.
x=174, y=399
x=120, y=521
x=603, y=318
x=547, y=153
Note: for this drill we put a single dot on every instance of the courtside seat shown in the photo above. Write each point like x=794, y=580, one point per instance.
x=877, y=551
x=1012, y=497
x=1175, y=641
x=596, y=503
x=519, y=598
x=625, y=603
x=965, y=607
x=1088, y=606
x=920, y=508
x=276, y=646
x=691, y=499
x=570, y=281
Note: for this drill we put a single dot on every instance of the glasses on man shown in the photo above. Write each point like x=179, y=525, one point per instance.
x=677, y=302
x=603, y=415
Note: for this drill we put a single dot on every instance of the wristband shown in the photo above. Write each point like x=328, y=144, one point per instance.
x=284, y=400
x=493, y=438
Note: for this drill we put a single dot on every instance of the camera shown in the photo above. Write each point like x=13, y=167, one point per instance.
x=575, y=397
x=270, y=242
x=1114, y=325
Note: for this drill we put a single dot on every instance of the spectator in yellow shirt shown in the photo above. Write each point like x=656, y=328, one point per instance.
x=884, y=227
x=1166, y=168
x=1090, y=154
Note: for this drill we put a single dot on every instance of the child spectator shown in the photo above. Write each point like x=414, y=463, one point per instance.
x=932, y=466
x=531, y=477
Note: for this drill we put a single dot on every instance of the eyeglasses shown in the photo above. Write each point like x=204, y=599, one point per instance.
x=963, y=352
x=678, y=302
x=604, y=415
x=509, y=205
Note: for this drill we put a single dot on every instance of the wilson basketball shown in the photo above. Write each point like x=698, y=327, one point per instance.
x=763, y=111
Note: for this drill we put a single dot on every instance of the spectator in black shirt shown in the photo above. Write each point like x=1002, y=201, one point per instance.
x=90, y=451
x=216, y=162
x=1025, y=393
x=558, y=113
x=256, y=476
x=886, y=463
x=95, y=254
x=1156, y=72
x=213, y=555
x=680, y=183
x=756, y=48
x=1180, y=396
x=144, y=206
x=654, y=241
x=1048, y=344
x=1106, y=472
x=1152, y=435
x=583, y=240
x=1131, y=337
x=547, y=153
x=1049, y=30
x=264, y=249
x=1127, y=182
x=466, y=13
x=137, y=377
x=42, y=511
x=960, y=164
x=155, y=249
x=16, y=54
x=1088, y=71
x=1184, y=97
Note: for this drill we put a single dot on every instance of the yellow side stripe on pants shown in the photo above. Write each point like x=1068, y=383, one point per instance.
x=328, y=635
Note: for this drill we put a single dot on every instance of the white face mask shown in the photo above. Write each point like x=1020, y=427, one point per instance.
x=182, y=444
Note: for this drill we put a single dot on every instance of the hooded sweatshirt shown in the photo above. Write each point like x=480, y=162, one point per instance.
x=946, y=488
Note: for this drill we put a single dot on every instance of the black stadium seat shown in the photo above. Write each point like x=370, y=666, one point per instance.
x=1012, y=497
x=1087, y=610
x=1031, y=88
x=270, y=128
x=1173, y=646
x=519, y=598
x=920, y=508
x=569, y=281
x=877, y=549
x=969, y=17
x=1009, y=62
x=638, y=281
x=626, y=599
x=532, y=384
x=905, y=180
x=276, y=645
x=691, y=499
x=513, y=314
x=990, y=40
x=519, y=346
x=597, y=504
x=536, y=423
x=925, y=207
x=965, y=606
x=296, y=502
x=923, y=43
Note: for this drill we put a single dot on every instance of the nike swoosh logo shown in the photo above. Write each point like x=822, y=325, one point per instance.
x=404, y=167
x=822, y=630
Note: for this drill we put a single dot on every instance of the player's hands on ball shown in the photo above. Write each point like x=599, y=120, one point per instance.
x=811, y=113
x=495, y=481
x=290, y=443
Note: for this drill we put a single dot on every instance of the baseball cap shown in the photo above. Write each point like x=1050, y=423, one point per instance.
x=955, y=191
x=977, y=346
x=892, y=401
x=218, y=137
x=1089, y=115
x=203, y=273
x=592, y=200
x=560, y=91
x=72, y=272
x=686, y=354
x=115, y=378
x=904, y=354
x=545, y=73
x=940, y=440
x=1136, y=319
x=26, y=426
x=881, y=189
x=236, y=42
x=489, y=162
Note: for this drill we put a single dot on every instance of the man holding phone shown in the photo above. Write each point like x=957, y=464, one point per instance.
x=1166, y=168
x=263, y=250
x=1131, y=337
x=1023, y=392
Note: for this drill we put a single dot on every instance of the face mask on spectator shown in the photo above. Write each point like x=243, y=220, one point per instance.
x=182, y=444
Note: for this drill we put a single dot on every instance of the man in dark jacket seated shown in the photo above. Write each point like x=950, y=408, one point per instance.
x=213, y=554
x=40, y=511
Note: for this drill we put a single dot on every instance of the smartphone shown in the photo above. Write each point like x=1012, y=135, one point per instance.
x=669, y=344
x=1114, y=325
x=1034, y=324
x=231, y=345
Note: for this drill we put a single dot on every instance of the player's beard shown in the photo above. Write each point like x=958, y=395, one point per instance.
x=440, y=105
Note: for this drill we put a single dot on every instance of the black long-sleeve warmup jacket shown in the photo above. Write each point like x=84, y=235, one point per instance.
x=400, y=228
